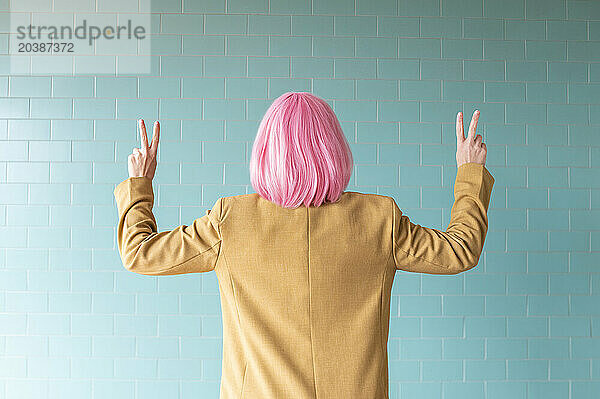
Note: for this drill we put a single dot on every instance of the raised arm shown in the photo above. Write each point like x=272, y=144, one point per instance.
x=144, y=250
x=426, y=250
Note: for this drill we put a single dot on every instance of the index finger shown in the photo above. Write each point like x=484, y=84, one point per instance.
x=155, y=138
x=144, y=137
x=460, y=134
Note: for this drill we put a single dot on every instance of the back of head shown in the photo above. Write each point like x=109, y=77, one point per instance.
x=300, y=155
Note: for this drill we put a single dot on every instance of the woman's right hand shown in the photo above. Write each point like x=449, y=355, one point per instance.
x=472, y=148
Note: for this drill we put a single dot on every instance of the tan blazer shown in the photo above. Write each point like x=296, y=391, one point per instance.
x=305, y=292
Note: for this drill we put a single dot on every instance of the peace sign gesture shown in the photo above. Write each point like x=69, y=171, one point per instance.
x=472, y=148
x=142, y=161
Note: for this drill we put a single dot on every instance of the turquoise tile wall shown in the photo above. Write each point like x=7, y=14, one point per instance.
x=524, y=324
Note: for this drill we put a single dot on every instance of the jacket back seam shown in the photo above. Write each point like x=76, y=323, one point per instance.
x=244, y=379
x=312, y=351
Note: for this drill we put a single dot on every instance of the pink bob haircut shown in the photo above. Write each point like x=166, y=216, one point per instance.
x=300, y=155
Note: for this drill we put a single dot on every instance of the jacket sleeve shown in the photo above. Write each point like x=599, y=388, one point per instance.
x=144, y=250
x=426, y=250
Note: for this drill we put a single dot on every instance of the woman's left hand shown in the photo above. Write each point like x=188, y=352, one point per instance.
x=142, y=161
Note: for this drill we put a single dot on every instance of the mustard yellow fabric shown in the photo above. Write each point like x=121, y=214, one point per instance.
x=305, y=292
